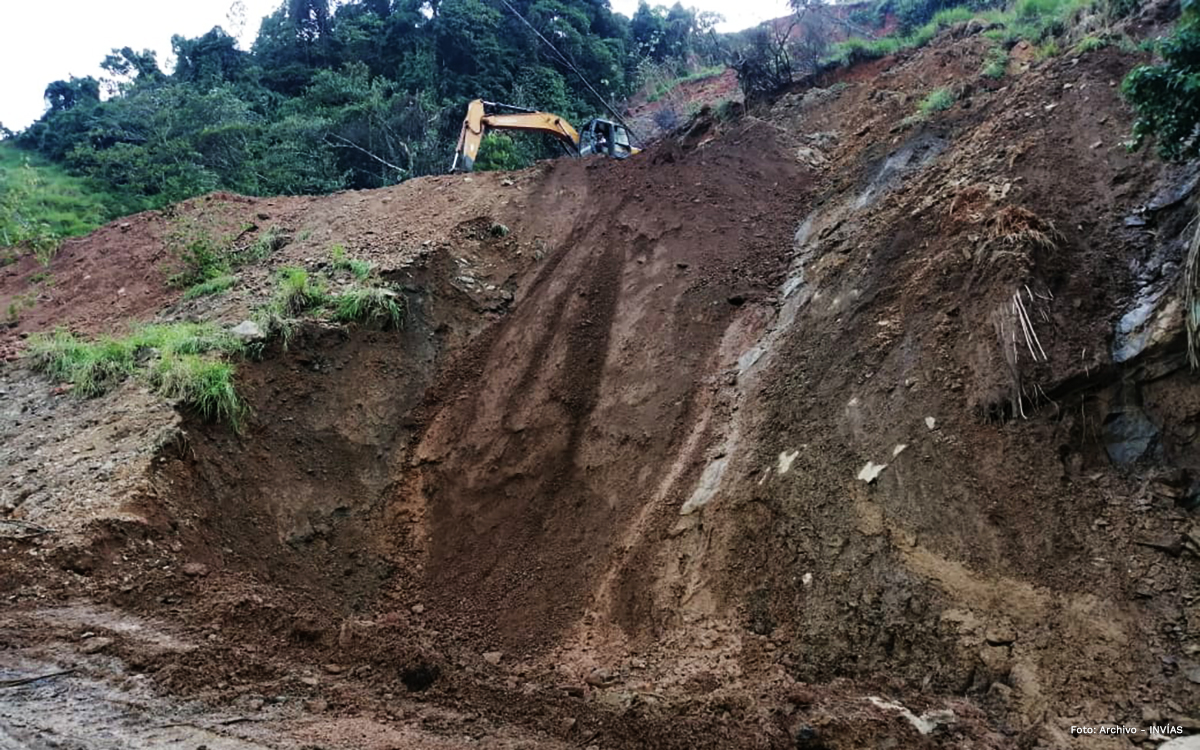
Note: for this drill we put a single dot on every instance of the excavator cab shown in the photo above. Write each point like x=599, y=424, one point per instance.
x=607, y=138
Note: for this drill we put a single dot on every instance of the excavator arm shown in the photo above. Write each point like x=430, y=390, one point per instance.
x=479, y=121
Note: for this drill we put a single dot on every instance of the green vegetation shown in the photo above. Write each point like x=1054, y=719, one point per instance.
x=1166, y=98
x=296, y=292
x=360, y=269
x=204, y=263
x=727, y=110
x=1090, y=43
x=200, y=257
x=1035, y=21
x=181, y=361
x=340, y=95
x=996, y=63
x=19, y=304
x=204, y=384
x=40, y=204
x=938, y=100
x=371, y=304
x=1166, y=95
x=189, y=362
x=212, y=286
x=501, y=153
x=268, y=242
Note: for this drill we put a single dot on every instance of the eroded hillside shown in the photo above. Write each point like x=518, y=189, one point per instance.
x=828, y=426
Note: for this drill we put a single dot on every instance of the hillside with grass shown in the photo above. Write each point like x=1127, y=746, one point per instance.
x=42, y=204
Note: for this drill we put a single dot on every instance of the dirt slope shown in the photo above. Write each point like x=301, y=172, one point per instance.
x=825, y=427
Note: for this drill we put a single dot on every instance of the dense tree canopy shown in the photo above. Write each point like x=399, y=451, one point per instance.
x=362, y=97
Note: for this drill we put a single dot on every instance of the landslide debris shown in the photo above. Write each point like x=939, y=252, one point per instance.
x=602, y=486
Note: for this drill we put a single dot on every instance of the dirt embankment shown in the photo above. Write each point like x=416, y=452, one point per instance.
x=826, y=427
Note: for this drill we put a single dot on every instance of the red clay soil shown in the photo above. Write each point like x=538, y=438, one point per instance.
x=110, y=276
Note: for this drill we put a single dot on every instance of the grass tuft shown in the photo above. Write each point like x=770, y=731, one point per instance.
x=372, y=304
x=938, y=100
x=996, y=63
x=204, y=384
x=297, y=292
x=91, y=368
x=262, y=248
x=216, y=285
x=360, y=269
x=181, y=361
x=1090, y=43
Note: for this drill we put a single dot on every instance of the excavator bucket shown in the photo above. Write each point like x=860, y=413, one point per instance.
x=469, y=138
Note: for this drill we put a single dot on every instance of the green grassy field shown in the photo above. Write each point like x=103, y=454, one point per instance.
x=36, y=193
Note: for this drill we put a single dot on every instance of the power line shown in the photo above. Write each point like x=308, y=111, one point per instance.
x=567, y=61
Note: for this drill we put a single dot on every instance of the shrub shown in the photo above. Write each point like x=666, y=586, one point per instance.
x=199, y=256
x=1166, y=96
x=202, y=258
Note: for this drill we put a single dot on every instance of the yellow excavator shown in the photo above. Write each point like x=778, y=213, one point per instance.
x=596, y=137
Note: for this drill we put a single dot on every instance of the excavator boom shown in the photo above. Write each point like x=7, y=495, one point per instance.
x=478, y=122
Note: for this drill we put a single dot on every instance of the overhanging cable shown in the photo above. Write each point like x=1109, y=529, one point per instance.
x=567, y=61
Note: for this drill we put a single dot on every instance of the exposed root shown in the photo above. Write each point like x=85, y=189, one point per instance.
x=1013, y=317
x=1013, y=225
x=1191, y=294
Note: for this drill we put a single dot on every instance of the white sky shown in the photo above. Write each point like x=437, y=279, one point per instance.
x=44, y=41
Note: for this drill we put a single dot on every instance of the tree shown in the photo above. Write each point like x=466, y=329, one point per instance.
x=353, y=93
x=810, y=40
x=124, y=66
x=648, y=29
x=499, y=152
x=65, y=95
x=310, y=18
x=764, y=62
x=208, y=60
